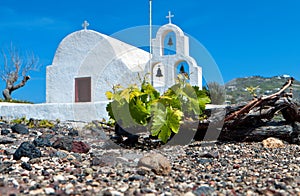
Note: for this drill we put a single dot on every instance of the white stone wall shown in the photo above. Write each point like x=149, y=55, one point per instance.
x=52, y=111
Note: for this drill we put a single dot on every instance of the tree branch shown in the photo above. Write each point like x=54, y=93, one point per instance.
x=255, y=102
x=21, y=84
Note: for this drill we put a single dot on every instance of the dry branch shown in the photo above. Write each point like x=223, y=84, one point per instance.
x=255, y=121
x=255, y=102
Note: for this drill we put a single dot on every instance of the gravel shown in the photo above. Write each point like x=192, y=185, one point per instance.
x=201, y=168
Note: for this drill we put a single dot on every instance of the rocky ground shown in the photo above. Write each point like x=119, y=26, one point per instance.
x=82, y=159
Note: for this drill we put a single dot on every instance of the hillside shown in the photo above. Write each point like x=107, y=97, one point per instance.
x=236, y=89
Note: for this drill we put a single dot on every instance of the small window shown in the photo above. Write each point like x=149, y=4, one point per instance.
x=83, y=89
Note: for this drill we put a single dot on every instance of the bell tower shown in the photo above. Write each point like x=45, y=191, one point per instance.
x=171, y=57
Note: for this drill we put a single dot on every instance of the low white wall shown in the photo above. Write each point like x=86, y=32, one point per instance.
x=52, y=111
x=63, y=111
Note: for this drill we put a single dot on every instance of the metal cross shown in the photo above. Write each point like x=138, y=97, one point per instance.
x=170, y=16
x=85, y=24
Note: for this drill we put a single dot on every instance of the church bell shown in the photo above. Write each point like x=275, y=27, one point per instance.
x=170, y=42
x=182, y=69
x=158, y=73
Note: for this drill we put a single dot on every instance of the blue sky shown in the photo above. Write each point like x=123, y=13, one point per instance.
x=245, y=38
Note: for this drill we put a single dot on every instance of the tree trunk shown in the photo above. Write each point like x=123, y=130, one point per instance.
x=10, y=87
x=6, y=94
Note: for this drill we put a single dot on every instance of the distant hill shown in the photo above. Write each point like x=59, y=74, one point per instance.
x=236, y=89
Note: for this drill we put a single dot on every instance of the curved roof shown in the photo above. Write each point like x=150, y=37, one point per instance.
x=76, y=45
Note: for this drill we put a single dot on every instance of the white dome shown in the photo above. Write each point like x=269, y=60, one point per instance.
x=75, y=46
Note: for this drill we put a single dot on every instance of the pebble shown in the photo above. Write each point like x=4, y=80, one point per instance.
x=189, y=194
x=26, y=166
x=27, y=149
x=37, y=192
x=20, y=129
x=58, y=178
x=5, y=132
x=88, y=171
x=49, y=190
x=69, y=188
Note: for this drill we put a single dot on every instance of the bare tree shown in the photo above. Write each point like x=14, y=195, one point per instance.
x=14, y=67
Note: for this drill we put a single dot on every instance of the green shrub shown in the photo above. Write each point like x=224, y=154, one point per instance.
x=32, y=123
x=16, y=101
x=162, y=113
x=21, y=120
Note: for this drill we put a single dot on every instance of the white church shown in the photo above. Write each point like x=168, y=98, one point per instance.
x=88, y=63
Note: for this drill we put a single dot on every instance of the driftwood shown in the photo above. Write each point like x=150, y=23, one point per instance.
x=258, y=119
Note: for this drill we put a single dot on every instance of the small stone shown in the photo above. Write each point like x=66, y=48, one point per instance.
x=204, y=190
x=143, y=171
x=26, y=166
x=104, y=160
x=58, y=178
x=236, y=166
x=116, y=193
x=150, y=194
x=61, y=154
x=25, y=159
x=5, y=132
x=5, y=166
x=189, y=194
x=37, y=192
x=89, y=178
x=209, y=155
x=6, y=140
x=15, y=183
x=20, y=129
x=38, y=166
x=95, y=184
x=27, y=149
x=250, y=193
x=49, y=190
x=272, y=142
x=71, y=157
x=25, y=173
x=157, y=163
x=10, y=151
x=73, y=132
x=35, y=160
x=41, y=141
x=88, y=171
x=63, y=143
x=45, y=173
x=80, y=147
x=69, y=188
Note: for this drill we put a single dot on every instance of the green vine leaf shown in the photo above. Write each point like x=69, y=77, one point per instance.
x=138, y=111
x=165, y=121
